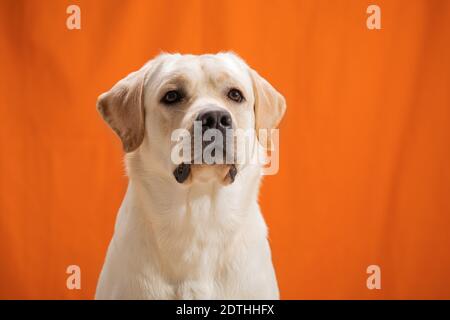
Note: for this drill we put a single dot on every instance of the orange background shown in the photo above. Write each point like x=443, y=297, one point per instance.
x=365, y=145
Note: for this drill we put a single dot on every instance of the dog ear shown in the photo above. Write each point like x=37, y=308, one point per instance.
x=122, y=108
x=270, y=106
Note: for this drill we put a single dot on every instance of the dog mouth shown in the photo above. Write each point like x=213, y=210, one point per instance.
x=211, y=151
x=182, y=172
x=226, y=173
x=214, y=160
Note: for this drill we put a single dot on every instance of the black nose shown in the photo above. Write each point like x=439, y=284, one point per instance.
x=215, y=119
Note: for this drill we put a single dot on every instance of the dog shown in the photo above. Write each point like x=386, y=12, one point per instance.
x=190, y=229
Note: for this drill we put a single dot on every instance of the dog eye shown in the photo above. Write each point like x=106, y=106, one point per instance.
x=236, y=95
x=172, y=97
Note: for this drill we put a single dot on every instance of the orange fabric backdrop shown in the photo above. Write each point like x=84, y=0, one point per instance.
x=365, y=145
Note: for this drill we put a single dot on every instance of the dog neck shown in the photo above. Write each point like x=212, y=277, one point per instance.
x=160, y=198
x=183, y=223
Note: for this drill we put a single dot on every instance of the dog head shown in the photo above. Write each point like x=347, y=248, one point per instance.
x=194, y=104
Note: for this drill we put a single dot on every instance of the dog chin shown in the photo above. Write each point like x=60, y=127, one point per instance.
x=202, y=173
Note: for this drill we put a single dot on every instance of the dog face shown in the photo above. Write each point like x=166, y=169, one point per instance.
x=208, y=97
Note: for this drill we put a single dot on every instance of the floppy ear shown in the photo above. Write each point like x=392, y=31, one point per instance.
x=270, y=105
x=122, y=108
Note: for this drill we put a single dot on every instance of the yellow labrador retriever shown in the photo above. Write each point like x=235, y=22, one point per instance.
x=189, y=228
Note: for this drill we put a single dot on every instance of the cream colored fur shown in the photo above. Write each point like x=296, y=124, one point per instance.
x=203, y=239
